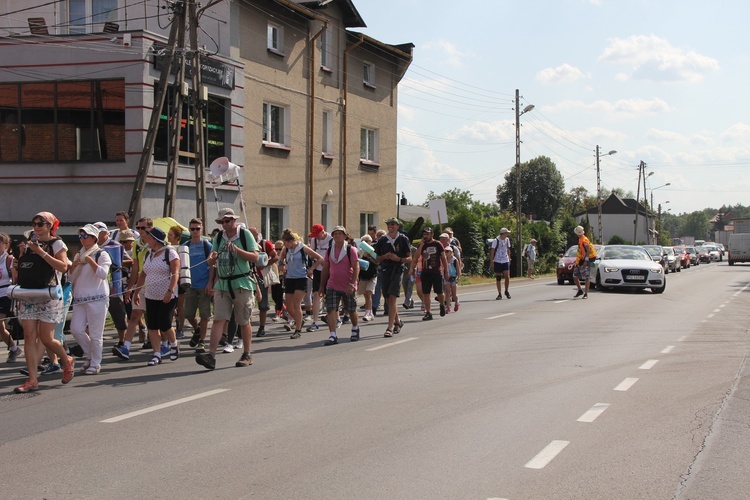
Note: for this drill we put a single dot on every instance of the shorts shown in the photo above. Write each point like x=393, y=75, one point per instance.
x=450, y=282
x=430, y=282
x=292, y=285
x=263, y=304
x=197, y=300
x=334, y=297
x=242, y=304
x=6, y=305
x=317, y=275
x=117, y=312
x=159, y=315
x=581, y=272
x=51, y=311
x=141, y=297
x=367, y=285
x=530, y=262
x=501, y=267
x=391, y=285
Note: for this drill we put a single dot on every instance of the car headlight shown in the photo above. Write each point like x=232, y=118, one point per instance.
x=657, y=270
x=611, y=269
x=560, y=264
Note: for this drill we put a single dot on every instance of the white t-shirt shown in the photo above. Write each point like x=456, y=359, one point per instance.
x=501, y=246
x=321, y=247
x=158, y=273
x=5, y=277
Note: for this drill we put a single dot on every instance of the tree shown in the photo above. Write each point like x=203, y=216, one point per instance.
x=457, y=201
x=696, y=225
x=542, y=189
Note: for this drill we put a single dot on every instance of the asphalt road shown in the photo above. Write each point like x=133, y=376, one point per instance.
x=623, y=395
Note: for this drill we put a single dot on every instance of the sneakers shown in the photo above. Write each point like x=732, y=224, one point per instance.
x=51, y=369
x=578, y=293
x=499, y=296
x=448, y=309
x=223, y=340
x=238, y=344
x=85, y=366
x=180, y=334
x=345, y=320
x=297, y=334
x=155, y=360
x=228, y=348
x=442, y=309
x=121, y=352
x=455, y=307
x=195, y=339
x=261, y=331
x=13, y=355
x=69, y=371
x=339, y=322
x=245, y=360
x=174, y=352
x=331, y=341
x=507, y=294
x=164, y=350
x=585, y=296
x=200, y=348
x=206, y=360
x=287, y=327
x=313, y=328
x=27, y=387
x=355, y=334
x=77, y=351
x=146, y=345
x=427, y=317
x=368, y=316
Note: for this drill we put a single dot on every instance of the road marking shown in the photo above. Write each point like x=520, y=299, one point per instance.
x=648, y=364
x=593, y=413
x=710, y=315
x=717, y=310
x=546, y=455
x=667, y=349
x=723, y=305
x=391, y=344
x=502, y=315
x=682, y=339
x=561, y=301
x=626, y=384
x=138, y=413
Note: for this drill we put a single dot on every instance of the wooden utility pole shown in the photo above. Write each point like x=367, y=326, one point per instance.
x=198, y=105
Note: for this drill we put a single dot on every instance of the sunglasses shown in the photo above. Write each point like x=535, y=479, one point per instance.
x=141, y=228
x=83, y=236
x=226, y=221
x=38, y=224
x=279, y=249
x=195, y=228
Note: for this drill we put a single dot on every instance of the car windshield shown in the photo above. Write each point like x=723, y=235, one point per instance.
x=669, y=251
x=653, y=250
x=572, y=251
x=690, y=249
x=626, y=253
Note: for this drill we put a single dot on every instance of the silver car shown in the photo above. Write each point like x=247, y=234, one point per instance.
x=673, y=260
x=628, y=266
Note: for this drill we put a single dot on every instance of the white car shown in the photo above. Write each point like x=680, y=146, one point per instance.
x=628, y=266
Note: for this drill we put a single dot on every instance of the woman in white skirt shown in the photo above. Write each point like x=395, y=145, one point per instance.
x=90, y=298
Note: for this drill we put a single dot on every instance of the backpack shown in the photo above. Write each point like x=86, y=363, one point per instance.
x=253, y=270
x=34, y=272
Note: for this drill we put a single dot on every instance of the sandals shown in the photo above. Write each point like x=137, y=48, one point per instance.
x=388, y=333
x=92, y=370
x=156, y=360
x=397, y=327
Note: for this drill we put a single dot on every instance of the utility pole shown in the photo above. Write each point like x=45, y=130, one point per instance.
x=161, y=94
x=641, y=169
x=519, y=264
x=198, y=104
x=598, y=197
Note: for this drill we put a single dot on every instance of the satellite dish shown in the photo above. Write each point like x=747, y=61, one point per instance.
x=222, y=167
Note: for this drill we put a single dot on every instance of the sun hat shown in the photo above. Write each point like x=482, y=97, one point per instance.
x=100, y=227
x=504, y=230
x=444, y=235
x=89, y=229
x=339, y=228
x=158, y=234
x=126, y=235
x=224, y=213
x=578, y=230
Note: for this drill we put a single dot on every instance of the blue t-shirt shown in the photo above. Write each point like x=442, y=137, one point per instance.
x=198, y=266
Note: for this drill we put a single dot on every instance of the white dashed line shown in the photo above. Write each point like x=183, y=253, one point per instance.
x=593, y=413
x=161, y=406
x=717, y=310
x=667, y=349
x=502, y=316
x=391, y=344
x=561, y=301
x=710, y=315
x=626, y=384
x=546, y=455
x=648, y=364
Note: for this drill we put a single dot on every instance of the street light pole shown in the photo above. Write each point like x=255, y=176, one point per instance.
x=599, y=192
x=519, y=242
x=652, y=207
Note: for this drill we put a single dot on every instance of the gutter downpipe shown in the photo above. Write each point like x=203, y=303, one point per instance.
x=345, y=124
x=310, y=142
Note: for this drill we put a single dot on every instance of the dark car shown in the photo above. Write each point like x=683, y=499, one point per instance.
x=567, y=261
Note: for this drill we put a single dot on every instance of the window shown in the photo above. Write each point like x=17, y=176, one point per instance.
x=366, y=219
x=368, y=75
x=272, y=222
x=214, y=129
x=275, y=42
x=325, y=214
x=325, y=50
x=86, y=16
x=327, y=135
x=275, y=124
x=73, y=121
x=368, y=147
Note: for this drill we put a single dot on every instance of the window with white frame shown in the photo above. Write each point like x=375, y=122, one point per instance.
x=275, y=124
x=275, y=41
x=366, y=219
x=272, y=222
x=86, y=16
x=325, y=50
x=368, y=147
x=368, y=74
x=327, y=133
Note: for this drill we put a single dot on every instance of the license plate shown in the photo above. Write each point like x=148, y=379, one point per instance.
x=635, y=277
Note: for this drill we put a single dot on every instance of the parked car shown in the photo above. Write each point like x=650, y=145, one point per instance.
x=673, y=260
x=683, y=257
x=693, y=255
x=703, y=253
x=657, y=254
x=714, y=254
x=628, y=266
x=567, y=261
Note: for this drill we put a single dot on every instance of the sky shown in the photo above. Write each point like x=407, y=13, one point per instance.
x=663, y=82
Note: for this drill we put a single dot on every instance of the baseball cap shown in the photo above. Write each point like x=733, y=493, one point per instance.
x=393, y=220
x=504, y=230
x=100, y=226
x=444, y=235
x=427, y=230
x=316, y=230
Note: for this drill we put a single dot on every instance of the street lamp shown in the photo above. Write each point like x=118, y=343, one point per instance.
x=599, y=190
x=652, y=202
x=519, y=263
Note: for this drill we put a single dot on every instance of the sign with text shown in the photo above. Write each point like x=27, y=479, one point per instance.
x=213, y=72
